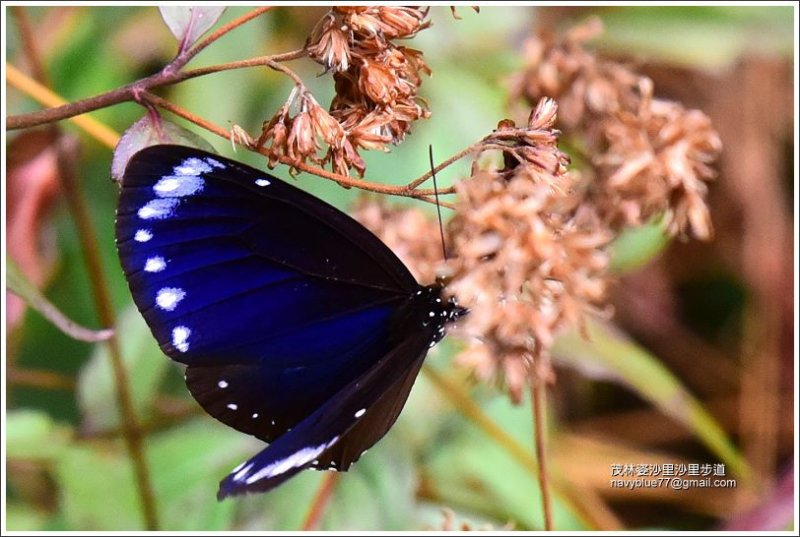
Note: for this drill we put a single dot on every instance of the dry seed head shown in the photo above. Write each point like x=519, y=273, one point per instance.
x=650, y=157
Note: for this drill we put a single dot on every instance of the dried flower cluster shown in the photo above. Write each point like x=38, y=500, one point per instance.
x=649, y=156
x=376, y=88
x=530, y=257
x=530, y=238
x=299, y=138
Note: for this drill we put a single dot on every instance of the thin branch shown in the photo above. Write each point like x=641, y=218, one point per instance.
x=130, y=91
x=589, y=509
x=182, y=59
x=320, y=502
x=538, y=403
x=344, y=180
x=258, y=61
x=97, y=130
x=102, y=302
x=29, y=43
x=444, y=164
x=45, y=380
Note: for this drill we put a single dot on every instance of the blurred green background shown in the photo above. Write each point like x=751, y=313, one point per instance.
x=624, y=398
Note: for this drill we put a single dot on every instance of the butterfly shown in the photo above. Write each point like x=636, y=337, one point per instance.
x=296, y=324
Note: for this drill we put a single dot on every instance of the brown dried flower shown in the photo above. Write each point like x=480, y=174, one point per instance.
x=376, y=81
x=649, y=156
x=529, y=259
x=329, y=43
x=299, y=138
x=387, y=22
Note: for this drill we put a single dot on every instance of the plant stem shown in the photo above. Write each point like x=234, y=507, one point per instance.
x=105, y=310
x=320, y=502
x=186, y=57
x=538, y=401
x=131, y=91
x=29, y=43
x=444, y=164
x=344, y=180
x=44, y=380
x=590, y=509
x=97, y=130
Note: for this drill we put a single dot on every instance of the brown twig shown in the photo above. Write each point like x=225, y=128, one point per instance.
x=102, y=301
x=131, y=91
x=403, y=190
x=258, y=61
x=589, y=508
x=187, y=56
x=320, y=502
x=444, y=164
x=45, y=380
x=29, y=43
x=538, y=403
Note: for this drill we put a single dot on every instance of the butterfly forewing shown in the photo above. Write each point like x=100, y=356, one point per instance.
x=273, y=298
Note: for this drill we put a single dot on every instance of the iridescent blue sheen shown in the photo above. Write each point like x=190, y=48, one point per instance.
x=296, y=324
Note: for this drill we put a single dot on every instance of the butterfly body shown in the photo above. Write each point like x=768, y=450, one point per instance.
x=296, y=324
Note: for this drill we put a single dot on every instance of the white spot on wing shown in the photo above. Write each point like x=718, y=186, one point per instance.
x=158, y=209
x=215, y=163
x=222, y=384
x=176, y=186
x=239, y=467
x=233, y=406
x=360, y=413
x=155, y=264
x=255, y=415
x=180, y=338
x=241, y=471
x=263, y=182
x=192, y=166
x=168, y=297
x=143, y=235
x=295, y=460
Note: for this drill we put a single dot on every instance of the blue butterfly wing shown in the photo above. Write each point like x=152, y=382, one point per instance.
x=339, y=431
x=274, y=299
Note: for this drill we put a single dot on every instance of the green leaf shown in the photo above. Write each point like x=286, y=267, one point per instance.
x=477, y=476
x=377, y=493
x=144, y=363
x=637, y=246
x=187, y=464
x=187, y=24
x=609, y=355
x=21, y=517
x=32, y=434
x=97, y=488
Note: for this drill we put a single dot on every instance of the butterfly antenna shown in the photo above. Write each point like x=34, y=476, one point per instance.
x=436, y=196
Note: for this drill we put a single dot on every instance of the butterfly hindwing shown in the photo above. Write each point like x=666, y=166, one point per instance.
x=327, y=434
